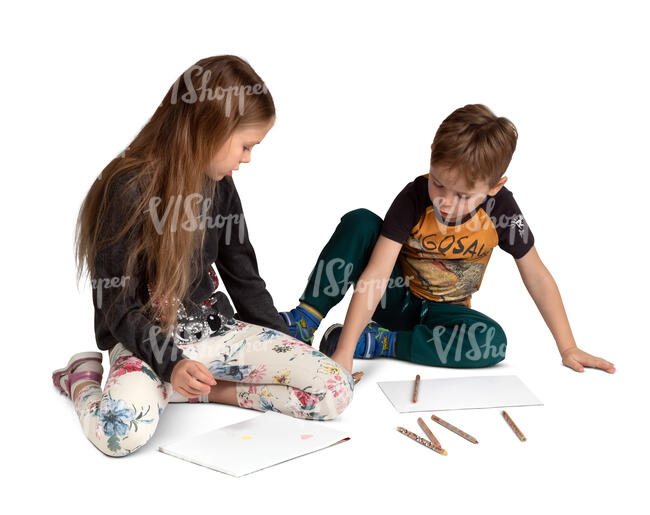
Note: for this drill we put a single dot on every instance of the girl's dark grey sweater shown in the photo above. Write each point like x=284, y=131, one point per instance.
x=226, y=244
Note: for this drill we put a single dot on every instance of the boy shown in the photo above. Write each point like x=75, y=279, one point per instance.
x=415, y=272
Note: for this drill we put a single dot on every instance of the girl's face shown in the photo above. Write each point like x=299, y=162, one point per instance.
x=236, y=150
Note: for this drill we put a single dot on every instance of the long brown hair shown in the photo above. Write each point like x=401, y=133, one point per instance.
x=168, y=158
x=476, y=143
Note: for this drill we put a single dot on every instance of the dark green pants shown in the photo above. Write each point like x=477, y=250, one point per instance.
x=428, y=332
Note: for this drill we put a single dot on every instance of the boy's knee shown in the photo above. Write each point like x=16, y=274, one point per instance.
x=361, y=220
x=492, y=343
x=481, y=343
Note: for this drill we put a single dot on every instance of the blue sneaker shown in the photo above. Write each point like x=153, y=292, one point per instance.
x=302, y=322
x=375, y=341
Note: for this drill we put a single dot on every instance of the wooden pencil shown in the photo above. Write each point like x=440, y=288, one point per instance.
x=416, y=388
x=421, y=440
x=428, y=432
x=513, y=426
x=454, y=429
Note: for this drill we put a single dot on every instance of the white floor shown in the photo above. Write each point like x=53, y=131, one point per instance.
x=579, y=446
x=360, y=89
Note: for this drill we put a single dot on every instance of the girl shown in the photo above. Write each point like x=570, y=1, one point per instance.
x=148, y=232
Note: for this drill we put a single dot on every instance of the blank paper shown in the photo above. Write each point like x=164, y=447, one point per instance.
x=255, y=444
x=459, y=393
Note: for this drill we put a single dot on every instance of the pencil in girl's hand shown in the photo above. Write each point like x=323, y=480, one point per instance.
x=416, y=388
x=421, y=440
x=514, y=427
x=428, y=432
x=454, y=429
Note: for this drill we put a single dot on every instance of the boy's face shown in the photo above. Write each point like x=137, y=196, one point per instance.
x=452, y=197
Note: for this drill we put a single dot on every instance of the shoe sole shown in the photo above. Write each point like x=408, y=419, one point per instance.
x=76, y=358
x=324, y=340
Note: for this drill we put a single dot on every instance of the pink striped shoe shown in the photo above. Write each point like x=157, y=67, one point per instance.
x=88, y=366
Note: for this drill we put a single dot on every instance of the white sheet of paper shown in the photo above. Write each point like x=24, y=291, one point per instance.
x=255, y=444
x=459, y=393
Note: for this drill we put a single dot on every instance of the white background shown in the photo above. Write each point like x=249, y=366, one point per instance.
x=360, y=90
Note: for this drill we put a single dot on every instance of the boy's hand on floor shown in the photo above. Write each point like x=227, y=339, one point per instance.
x=578, y=359
x=191, y=378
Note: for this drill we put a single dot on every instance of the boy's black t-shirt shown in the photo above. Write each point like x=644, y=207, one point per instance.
x=226, y=245
x=443, y=261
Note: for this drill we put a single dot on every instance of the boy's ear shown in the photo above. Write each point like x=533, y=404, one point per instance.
x=493, y=191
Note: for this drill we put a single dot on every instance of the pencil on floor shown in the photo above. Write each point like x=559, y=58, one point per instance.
x=416, y=388
x=513, y=426
x=454, y=429
x=421, y=440
x=428, y=432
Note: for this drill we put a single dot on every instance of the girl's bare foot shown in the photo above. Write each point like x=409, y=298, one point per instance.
x=224, y=392
x=79, y=387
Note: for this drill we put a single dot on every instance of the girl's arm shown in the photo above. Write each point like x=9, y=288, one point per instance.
x=237, y=265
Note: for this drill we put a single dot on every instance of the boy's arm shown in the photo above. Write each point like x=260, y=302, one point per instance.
x=542, y=288
x=367, y=293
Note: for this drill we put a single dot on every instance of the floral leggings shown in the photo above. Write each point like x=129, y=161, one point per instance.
x=273, y=371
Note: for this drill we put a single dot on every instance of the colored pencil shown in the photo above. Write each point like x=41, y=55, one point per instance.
x=454, y=429
x=513, y=426
x=428, y=432
x=421, y=440
x=416, y=388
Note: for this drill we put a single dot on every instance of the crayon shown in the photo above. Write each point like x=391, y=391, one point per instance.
x=428, y=432
x=513, y=426
x=416, y=388
x=454, y=429
x=421, y=440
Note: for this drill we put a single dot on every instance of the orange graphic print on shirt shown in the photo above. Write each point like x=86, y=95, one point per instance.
x=445, y=262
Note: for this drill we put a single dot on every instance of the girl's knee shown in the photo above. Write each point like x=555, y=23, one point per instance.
x=337, y=395
x=120, y=429
x=121, y=450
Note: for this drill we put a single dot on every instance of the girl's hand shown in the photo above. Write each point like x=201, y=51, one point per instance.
x=344, y=359
x=191, y=378
x=578, y=359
